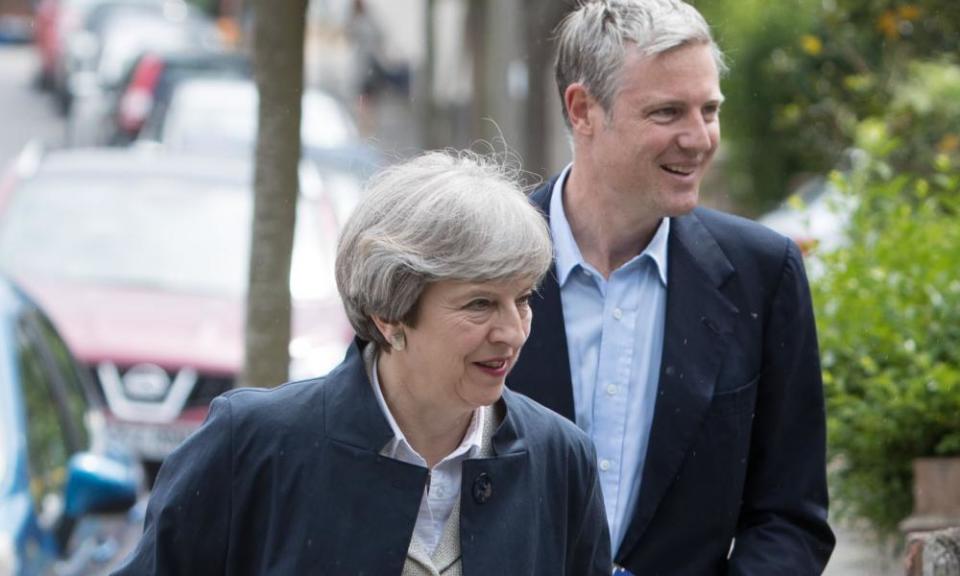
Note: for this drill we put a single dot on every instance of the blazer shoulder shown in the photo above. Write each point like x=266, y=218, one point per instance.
x=260, y=413
x=745, y=242
x=541, y=194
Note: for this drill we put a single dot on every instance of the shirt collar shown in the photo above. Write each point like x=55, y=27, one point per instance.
x=568, y=255
x=471, y=440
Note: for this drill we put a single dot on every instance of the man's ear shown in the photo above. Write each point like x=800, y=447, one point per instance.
x=579, y=104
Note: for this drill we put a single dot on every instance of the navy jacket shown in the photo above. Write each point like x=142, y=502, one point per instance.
x=291, y=481
x=737, y=445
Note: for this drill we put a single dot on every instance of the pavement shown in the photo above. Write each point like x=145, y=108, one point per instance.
x=857, y=555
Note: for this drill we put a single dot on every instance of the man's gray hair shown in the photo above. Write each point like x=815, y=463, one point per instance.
x=594, y=39
x=440, y=216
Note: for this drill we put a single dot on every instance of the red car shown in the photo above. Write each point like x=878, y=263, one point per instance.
x=141, y=261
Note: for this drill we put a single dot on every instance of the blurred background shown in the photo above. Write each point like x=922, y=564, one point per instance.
x=173, y=176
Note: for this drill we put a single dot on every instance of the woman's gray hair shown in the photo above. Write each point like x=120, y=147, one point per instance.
x=440, y=216
x=594, y=39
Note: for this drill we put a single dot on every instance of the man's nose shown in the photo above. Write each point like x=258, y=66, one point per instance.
x=697, y=135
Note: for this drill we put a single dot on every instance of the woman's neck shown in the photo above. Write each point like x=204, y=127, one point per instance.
x=433, y=429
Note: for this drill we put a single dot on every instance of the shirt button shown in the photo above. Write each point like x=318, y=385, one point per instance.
x=617, y=313
x=604, y=464
x=612, y=389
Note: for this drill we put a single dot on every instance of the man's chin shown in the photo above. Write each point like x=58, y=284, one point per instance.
x=683, y=203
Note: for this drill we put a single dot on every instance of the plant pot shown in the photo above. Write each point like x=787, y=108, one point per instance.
x=936, y=495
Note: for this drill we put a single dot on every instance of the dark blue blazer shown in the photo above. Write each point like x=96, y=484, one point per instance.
x=291, y=481
x=737, y=445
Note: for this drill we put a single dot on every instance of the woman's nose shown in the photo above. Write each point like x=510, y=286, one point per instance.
x=511, y=327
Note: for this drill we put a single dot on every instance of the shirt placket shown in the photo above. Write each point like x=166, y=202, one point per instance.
x=612, y=387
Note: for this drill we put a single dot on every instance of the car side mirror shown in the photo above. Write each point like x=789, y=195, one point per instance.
x=98, y=484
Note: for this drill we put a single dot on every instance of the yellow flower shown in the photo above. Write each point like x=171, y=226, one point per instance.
x=909, y=12
x=811, y=44
x=887, y=24
x=949, y=143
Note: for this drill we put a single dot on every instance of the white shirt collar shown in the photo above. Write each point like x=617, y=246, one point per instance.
x=568, y=255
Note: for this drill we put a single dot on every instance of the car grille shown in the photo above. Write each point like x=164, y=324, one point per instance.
x=206, y=388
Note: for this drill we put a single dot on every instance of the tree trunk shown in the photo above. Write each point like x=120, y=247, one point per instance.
x=278, y=44
x=540, y=19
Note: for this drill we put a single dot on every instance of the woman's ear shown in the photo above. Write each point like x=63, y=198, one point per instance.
x=392, y=332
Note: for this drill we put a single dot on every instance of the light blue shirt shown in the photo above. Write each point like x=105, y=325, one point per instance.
x=614, y=333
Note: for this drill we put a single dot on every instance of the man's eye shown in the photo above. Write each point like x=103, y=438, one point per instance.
x=711, y=112
x=668, y=113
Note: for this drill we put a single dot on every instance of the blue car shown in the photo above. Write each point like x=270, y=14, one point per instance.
x=67, y=495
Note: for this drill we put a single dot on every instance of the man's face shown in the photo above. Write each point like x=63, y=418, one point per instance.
x=655, y=144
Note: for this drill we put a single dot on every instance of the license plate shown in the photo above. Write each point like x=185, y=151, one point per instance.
x=150, y=441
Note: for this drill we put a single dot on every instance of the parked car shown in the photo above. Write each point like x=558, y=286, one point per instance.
x=58, y=24
x=102, y=55
x=218, y=116
x=153, y=76
x=141, y=259
x=815, y=216
x=16, y=21
x=65, y=492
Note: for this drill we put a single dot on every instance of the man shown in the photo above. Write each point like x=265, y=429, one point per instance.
x=681, y=339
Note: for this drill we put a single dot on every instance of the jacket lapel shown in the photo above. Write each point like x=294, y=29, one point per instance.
x=388, y=496
x=497, y=512
x=698, y=319
x=544, y=356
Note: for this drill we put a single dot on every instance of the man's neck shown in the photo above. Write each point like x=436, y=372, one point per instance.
x=608, y=231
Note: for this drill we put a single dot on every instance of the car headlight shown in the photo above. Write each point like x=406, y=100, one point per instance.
x=8, y=557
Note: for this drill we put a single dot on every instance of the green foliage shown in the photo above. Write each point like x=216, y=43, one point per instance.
x=848, y=66
x=761, y=161
x=888, y=303
x=888, y=314
x=810, y=72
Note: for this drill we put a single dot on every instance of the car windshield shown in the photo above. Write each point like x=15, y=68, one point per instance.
x=129, y=34
x=3, y=456
x=172, y=235
x=207, y=115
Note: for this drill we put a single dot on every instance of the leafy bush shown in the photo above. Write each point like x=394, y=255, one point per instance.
x=760, y=161
x=809, y=72
x=888, y=304
x=889, y=321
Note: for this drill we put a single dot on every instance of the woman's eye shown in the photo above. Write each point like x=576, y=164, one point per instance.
x=478, y=305
x=524, y=301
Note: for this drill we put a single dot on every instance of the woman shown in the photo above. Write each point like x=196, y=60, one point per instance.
x=411, y=457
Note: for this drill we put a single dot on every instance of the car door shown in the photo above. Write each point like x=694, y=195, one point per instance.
x=49, y=446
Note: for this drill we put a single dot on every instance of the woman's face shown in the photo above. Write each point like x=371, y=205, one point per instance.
x=467, y=338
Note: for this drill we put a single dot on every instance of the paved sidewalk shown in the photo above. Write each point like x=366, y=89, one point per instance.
x=856, y=555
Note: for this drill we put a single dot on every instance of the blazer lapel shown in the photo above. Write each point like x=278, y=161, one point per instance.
x=698, y=316
x=544, y=355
